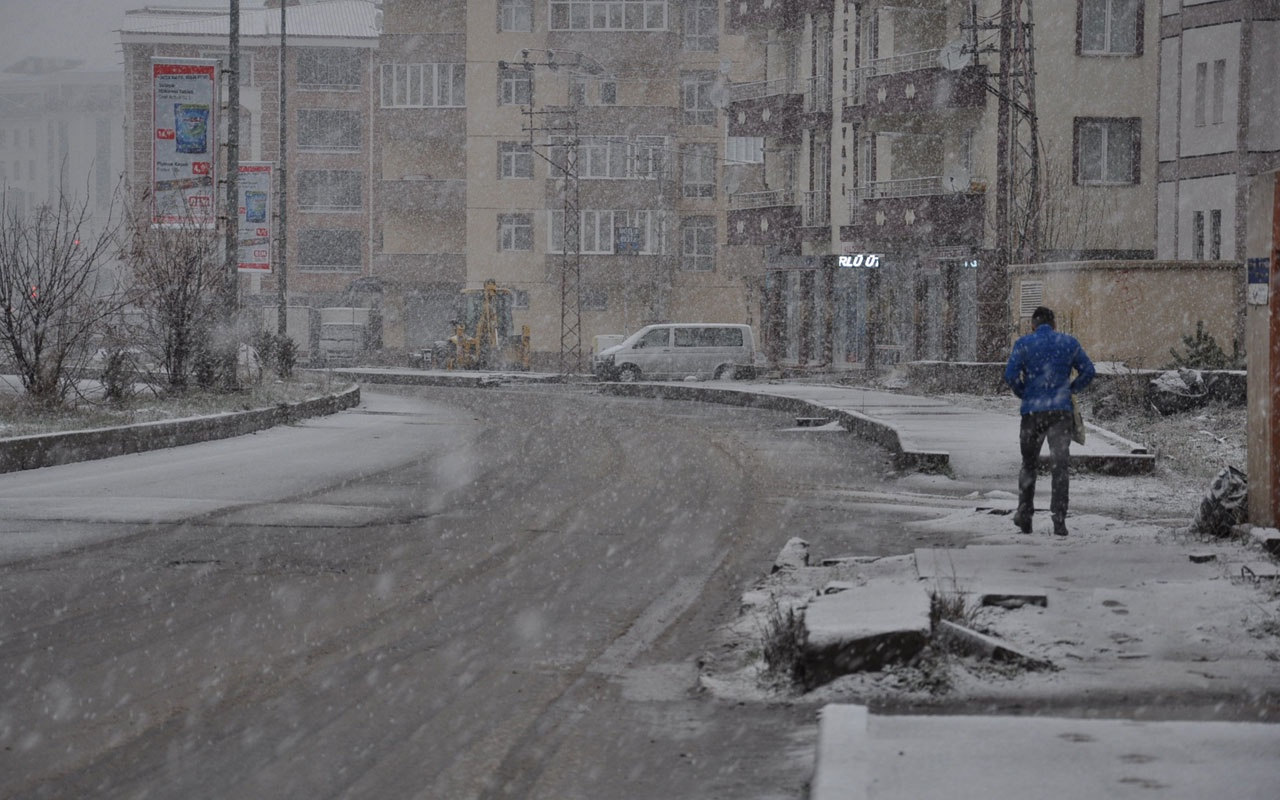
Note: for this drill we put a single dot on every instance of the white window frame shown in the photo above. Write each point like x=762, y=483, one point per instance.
x=744, y=149
x=427, y=85
x=695, y=98
x=515, y=16
x=696, y=238
x=515, y=87
x=515, y=233
x=1108, y=13
x=652, y=224
x=698, y=15
x=515, y=161
x=607, y=15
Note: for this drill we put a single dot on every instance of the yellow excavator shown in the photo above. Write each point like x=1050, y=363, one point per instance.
x=483, y=336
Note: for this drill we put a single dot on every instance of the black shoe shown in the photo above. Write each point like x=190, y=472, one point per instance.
x=1023, y=521
x=1059, y=527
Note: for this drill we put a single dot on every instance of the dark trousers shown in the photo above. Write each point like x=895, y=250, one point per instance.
x=1056, y=427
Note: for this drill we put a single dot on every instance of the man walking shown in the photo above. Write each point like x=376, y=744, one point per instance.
x=1039, y=372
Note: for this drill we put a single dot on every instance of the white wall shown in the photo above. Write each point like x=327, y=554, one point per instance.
x=1206, y=45
x=1264, y=91
x=1207, y=194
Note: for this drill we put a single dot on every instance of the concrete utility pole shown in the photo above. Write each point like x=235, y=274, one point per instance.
x=231, y=300
x=1262, y=342
x=282, y=187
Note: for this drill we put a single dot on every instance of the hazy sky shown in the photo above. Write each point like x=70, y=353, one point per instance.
x=86, y=29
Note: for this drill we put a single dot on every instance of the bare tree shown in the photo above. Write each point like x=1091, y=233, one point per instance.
x=176, y=274
x=55, y=292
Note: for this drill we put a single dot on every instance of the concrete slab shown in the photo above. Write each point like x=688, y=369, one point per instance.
x=861, y=755
x=863, y=628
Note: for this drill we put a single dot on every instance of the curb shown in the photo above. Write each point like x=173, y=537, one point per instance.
x=53, y=449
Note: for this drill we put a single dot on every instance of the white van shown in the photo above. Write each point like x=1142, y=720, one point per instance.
x=675, y=351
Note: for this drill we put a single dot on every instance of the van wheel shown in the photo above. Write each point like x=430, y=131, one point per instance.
x=629, y=373
x=726, y=372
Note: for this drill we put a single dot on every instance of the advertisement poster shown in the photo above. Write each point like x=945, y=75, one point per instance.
x=185, y=147
x=254, y=217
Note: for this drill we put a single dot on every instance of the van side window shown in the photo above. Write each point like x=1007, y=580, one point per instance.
x=687, y=337
x=656, y=338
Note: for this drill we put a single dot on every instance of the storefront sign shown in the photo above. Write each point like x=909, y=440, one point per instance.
x=184, y=142
x=860, y=260
x=254, y=217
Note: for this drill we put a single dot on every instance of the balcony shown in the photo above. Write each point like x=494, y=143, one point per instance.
x=912, y=83
x=779, y=108
x=746, y=15
x=917, y=209
x=764, y=218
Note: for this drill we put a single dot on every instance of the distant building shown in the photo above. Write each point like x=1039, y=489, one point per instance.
x=61, y=135
x=331, y=88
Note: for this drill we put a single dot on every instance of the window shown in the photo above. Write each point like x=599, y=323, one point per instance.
x=329, y=67
x=424, y=86
x=1197, y=236
x=519, y=298
x=328, y=129
x=611, y=157
x=1107, y=150
x=608, y=15
x=594, y=298
x=1202, y=83
x=330, y=250
x=701, y=25
x=597, y=230
x=698, y=244
x=577, y=92
x=708, y=337
x=1215, y=234
x=515, y=87
x=1219, y=88
x=1109, y=27
x=515, y=232
x=695, y=90
x=608, y=93
x=326, y=190
x=603, y=157
x=515, y=160
x=515, y=16
x=744, y=149
x=698, y=170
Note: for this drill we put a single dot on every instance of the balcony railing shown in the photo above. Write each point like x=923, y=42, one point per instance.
x=816, y=91
x=892, y=65
x=905, y=187
x=770, y=199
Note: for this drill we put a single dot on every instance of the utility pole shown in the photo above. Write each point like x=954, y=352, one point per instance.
x=231, y=276
x=570, y=258
x=1018, y=197
x=282, y=235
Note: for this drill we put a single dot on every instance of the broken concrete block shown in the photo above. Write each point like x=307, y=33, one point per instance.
x=794, y=554
x=1202, y=558
x=971, y=642
x=1013, y=598
x=1269, y=538
x=864, y=628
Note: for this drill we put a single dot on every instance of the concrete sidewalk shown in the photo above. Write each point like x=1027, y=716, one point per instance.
x=926, y=433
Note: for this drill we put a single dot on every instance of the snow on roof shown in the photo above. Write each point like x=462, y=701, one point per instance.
x=335, y=19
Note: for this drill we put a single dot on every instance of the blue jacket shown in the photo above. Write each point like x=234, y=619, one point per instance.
x=1039, y=370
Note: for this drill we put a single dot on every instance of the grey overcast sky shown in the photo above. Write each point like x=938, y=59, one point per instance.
x=86, y=29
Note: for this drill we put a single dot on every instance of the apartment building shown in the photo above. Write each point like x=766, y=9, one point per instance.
x=60, y=136
x=604, y=115
x=331, y=80
x=1219, y=122
x=881, y=124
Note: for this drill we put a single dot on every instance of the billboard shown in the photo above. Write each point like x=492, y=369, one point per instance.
x=185, y=143
x=253, y=217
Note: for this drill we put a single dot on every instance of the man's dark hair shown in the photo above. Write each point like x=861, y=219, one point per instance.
x=1042, y=316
